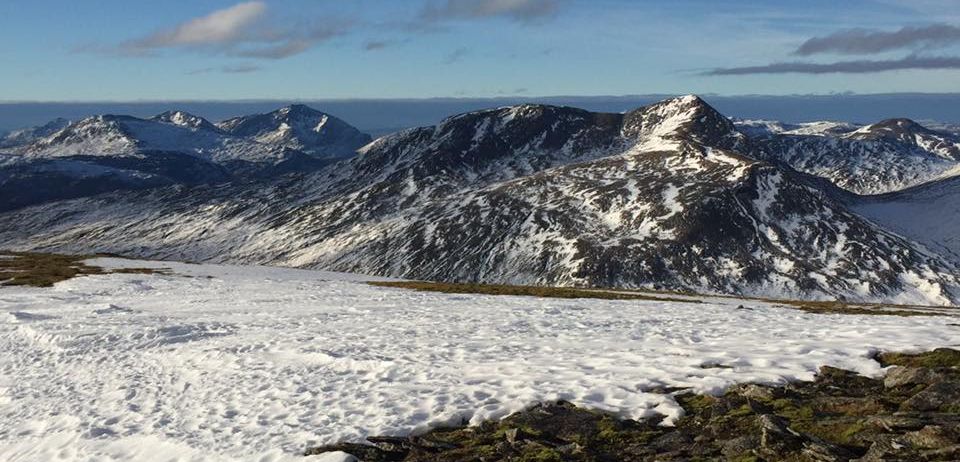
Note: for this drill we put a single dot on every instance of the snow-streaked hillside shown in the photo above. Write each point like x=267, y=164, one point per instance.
x=888, y=156
x=660, y=197
x=221, y=363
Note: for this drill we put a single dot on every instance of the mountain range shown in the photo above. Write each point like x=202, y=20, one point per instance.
x=669, y=196
x=111, y=152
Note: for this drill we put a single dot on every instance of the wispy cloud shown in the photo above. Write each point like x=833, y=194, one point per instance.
x=222, y=27
x=518, y=10
x=238, y=69
x=844, y=67
x=456, y=55
x=242, y=30
x=375, y=45
x=863, y=41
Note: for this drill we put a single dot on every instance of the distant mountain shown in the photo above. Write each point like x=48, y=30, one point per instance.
x=766, y=128
x=874, y=159
x=29, y=135
x=109, y=152
x=667, y=196
x=301, y=128
x=185, y=120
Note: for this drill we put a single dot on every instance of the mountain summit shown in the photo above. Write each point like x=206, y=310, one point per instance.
x=302, y=128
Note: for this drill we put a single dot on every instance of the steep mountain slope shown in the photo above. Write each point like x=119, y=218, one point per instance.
x=301, y=128
x=929, y=214
x=884, y=157
x=658, y=197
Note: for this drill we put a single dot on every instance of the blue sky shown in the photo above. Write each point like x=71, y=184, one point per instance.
x=127, y=50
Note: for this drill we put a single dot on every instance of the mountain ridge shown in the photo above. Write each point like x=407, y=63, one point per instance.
x=666, y=196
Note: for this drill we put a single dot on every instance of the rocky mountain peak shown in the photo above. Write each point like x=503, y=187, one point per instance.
x=185, y=120
x=302, y=128
x=687, y=117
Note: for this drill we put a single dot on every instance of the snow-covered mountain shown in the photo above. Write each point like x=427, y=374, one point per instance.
x=186, y=120
x=301, y=128
x=880, y=158
x=109, y=152
x=112, y=135
x=29, y=135
x=666, y=196
x=759, y=128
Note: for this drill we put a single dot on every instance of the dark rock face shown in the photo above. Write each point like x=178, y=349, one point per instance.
x=838, y=417
x=23, y=184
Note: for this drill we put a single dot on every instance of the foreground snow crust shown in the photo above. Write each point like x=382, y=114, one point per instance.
x=218, y=363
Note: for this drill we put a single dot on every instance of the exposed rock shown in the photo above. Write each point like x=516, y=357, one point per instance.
x=937, y=397
x=903, y=376
x=839, y=416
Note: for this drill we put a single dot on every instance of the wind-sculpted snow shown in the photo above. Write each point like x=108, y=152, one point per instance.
x=219, y=363
x=658, y=197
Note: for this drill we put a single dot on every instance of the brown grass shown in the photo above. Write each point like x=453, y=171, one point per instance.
x=530, y=291
x=820, y=307
x=46, y=269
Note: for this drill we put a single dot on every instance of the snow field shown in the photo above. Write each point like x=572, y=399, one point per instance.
x=255, y=363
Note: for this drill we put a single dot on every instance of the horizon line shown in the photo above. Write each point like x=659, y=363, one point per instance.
x=477, y=98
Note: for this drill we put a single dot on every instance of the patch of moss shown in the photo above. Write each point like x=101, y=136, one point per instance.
x=745, y=458
x=537, y=453
x=792, y=411
x=741, y=411
x=941, y=357
x=695, y=403
x=46, y=269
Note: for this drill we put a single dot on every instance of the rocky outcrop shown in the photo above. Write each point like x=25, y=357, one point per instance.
x=911, y=414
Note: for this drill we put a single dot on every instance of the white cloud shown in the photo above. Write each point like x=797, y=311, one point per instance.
x=242, y=30
x=224, y=26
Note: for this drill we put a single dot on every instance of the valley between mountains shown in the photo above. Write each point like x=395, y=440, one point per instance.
x=672, y=196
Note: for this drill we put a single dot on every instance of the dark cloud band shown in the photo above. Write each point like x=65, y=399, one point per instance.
x=844, y=67
x=861, y=41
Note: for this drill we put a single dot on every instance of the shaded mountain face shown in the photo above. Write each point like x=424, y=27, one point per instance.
x=663, y=197
x=874, y=159
x=928, y=214
x=108, y=152
x=300, y=128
